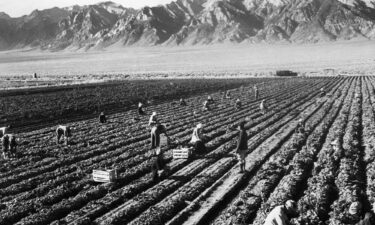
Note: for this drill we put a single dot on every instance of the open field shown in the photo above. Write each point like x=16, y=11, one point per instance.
x=52, y=184
x=55, y=104
x=215, y=60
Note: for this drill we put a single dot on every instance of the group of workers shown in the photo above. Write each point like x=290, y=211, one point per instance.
x=278, y=216
x=8, y=143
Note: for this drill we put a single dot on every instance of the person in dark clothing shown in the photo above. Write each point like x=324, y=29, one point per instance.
x=156, y=131
x=158, y=162
x=5, y=145
x=256, y=92
x=238, y=104
x=102, y=118
x=368, y=220
x=242, y=146
x=13, y=146
x=141, y=112
x=182, y=102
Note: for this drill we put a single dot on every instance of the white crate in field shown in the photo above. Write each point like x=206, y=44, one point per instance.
x=182, y=153
x=104, y=175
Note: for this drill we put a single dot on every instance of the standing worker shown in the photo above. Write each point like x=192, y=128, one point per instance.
x=141, y=112
x=153, y=120
x=159, y=163
x=13, y=146
x=102, y=118
x=63, y=131
x=256, y=92
x=242, y=146
x=282, y=214
x=238, y=104
x=197, y=139
x=263, y=107
x=5, y=145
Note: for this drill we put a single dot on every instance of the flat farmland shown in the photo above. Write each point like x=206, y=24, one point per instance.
x=353, y=57
x=52, y=184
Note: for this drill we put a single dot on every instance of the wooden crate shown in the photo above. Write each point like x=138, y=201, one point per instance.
x=104, y=176
x=182, y=153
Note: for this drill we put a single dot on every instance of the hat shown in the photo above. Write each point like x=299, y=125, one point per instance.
x=154, y=113
x=291, y=206
x=199, y=125
x=335, y=142
x=241, y=124
x=300, y=120
x=354, y=208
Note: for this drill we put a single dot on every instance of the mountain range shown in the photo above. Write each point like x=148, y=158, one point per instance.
x=190, y=22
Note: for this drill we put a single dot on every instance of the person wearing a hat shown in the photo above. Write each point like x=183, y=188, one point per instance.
x=153, y=120
x=263, y=107
x=158, y=162
x=206, y=106
x=300, y=127
x=242, y=146
x=182, y=102
x=335, y=152
x=197, y=139
x=210, y=100
x=322, y=93
x=102, y=118
x=238, y=104
x=141, y=112
x=227, y=94
x=282, y=214
x=355, y=208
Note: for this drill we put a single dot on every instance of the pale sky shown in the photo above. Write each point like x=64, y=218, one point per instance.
x=16, y=8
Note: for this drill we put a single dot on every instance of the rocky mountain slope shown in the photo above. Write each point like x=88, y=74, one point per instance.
x=190, y=22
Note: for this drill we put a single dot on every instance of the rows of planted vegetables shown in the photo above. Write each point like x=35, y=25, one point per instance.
x=50, y=183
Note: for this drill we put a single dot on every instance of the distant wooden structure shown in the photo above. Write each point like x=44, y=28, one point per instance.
x=329, y=72
x=286, y=73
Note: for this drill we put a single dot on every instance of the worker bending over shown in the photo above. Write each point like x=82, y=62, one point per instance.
x=141, y=112
x=263, y=107
x=238, y=104
x=300, y=129
x=197, y=139
x=282, y=214
x=182, y=102
x=65, y=132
